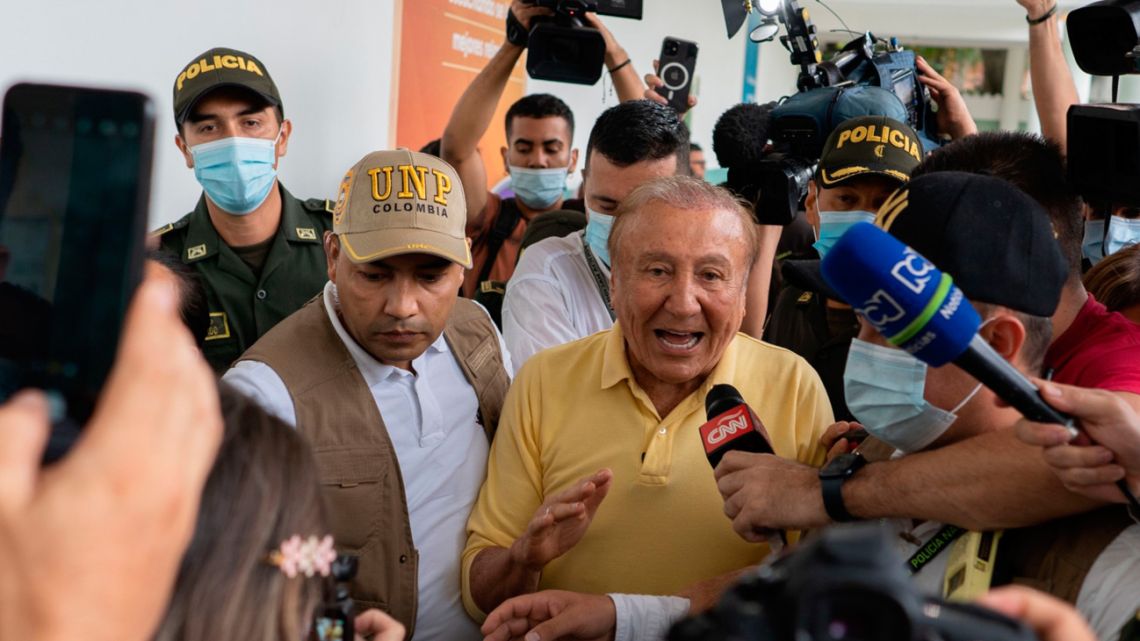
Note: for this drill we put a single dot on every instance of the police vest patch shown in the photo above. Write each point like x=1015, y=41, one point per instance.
x=306, y=233
x=197, y=251
x=219, y=326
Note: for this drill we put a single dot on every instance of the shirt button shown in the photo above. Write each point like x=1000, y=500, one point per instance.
x=262, y=294
x=403, y=558
x=662, y=432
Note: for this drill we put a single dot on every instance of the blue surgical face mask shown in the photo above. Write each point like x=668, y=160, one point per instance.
x=1122, y=232
x=884, y=389
x=598, y=227
x=538, y=188
x=236, y=173
x=833, y=224
x=1092, y=247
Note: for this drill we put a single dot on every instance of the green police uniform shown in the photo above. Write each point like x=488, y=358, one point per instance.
x=243, y=305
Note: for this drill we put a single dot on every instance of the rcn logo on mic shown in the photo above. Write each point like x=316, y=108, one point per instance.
x=726, y=427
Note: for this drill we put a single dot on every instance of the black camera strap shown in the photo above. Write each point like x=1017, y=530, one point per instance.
x=933, y=547
x=599, y=278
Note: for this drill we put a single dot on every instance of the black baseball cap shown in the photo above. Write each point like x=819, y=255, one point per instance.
x=994, y=240
x=869, y=145
x=221, y=67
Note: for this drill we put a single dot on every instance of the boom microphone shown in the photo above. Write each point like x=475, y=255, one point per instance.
x=731, y=426
x=918, y=308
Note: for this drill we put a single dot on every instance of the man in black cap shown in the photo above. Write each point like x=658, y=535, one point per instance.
x=259, y=249
x=863, y=161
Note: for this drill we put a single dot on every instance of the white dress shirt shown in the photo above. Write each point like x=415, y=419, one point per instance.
x=552, y=298
x=442, y=452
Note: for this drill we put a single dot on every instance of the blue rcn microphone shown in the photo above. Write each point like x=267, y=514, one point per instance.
x=918, y=308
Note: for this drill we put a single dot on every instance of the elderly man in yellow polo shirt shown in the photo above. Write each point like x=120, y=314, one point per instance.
x=597, y=480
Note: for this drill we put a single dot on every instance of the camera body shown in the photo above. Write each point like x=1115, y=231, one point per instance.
x=1104, y=139
x=875, y=79
x=563, y=49
x=846, y=585
x=335, y=617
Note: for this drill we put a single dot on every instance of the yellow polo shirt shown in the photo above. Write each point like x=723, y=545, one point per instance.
x=576, y=408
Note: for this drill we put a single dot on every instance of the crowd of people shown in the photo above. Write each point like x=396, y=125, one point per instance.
x=493, y=403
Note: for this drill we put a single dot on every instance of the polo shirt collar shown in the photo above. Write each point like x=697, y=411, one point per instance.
x=373, y=371
x=615, y=364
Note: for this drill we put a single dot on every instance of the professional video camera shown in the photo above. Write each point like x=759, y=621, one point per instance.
x=847, y=585
x=1104, y=140
x=868, y=76
x=561, y=47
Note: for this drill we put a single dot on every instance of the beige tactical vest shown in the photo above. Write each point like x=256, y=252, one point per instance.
x=362, y=484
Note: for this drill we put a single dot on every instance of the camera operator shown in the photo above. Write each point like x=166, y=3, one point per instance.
x=863, y=162
x=539, y=151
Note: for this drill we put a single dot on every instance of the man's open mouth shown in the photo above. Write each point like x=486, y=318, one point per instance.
x=674, y=341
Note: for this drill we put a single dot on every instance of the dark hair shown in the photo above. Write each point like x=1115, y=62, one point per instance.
x=1034, y=165
x=193, y=307
x=539, y=105
x=695, y=147
x=1115, y=280
x=433, y=148
x=262, y=490
x=637, y=131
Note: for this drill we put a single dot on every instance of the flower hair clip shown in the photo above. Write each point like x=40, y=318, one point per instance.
x=304, y=556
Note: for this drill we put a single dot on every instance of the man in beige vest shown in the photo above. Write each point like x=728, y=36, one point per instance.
x=397, y=383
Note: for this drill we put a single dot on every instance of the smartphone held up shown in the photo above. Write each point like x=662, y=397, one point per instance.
x=75, y=169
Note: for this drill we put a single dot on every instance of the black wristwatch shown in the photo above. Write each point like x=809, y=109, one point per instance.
x=516, y=33
x=831, y=479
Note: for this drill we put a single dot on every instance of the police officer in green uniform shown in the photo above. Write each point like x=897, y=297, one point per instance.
x=258, y=249
x=863, y=162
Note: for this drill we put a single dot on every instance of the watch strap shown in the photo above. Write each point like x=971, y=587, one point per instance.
x=832, y=487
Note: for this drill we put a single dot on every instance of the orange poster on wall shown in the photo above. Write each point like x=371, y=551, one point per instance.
x=443, y=45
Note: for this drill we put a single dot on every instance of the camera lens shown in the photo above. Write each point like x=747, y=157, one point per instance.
x=672, y=48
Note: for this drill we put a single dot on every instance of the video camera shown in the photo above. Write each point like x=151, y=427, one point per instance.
x=847, y=585
x=561, y=47
x=1104, y=139
x=871, y=76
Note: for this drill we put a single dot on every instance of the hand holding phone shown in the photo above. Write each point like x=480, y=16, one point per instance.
x=677, y=64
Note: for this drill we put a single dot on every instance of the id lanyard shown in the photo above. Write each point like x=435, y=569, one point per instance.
x=936, y=545
x=599, y=278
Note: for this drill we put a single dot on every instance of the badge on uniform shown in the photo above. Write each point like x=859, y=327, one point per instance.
x=306, y=233
x=219, y=326
x=197, y=251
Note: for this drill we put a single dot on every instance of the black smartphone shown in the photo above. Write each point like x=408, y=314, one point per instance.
x=75, y=169
x=676, y=64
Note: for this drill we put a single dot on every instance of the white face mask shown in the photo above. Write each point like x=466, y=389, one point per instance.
x=885, y=390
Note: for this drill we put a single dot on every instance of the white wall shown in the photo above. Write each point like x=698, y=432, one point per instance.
x=332, y=62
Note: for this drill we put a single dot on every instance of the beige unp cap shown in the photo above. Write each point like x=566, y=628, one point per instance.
x=402, y=202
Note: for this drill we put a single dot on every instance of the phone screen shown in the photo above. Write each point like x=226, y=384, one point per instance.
x=74, y=184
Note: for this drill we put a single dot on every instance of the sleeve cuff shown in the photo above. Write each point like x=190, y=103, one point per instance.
x=642, y=617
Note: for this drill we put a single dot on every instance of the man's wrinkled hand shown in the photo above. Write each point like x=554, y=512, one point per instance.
x=551, y=615
x=763, y=492
x=560, y=522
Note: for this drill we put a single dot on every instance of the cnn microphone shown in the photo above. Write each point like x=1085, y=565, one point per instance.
x=731, y=425
x=918, y=308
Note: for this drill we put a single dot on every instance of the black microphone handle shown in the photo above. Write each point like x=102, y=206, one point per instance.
x=983, y=363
